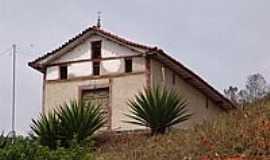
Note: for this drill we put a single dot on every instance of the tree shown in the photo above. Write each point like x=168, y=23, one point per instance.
x=243, y=97
x=256, y=86
x=231, y=93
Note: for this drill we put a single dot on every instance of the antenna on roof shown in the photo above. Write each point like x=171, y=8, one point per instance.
x=99, y=19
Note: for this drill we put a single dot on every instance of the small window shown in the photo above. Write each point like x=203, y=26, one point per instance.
x=63, y=72
x=207, y=102
x=173, y=78
x=96, y=68
x=128, y=65
x=96, y=49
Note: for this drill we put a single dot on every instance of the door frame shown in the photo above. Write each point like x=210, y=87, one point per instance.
x=97, y=87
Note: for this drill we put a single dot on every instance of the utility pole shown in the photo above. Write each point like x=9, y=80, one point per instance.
x=13, y=88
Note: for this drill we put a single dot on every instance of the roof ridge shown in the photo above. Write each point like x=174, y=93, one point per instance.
x=130, y=42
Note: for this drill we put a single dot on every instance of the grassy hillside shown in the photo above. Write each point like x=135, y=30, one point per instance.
x=244, y=134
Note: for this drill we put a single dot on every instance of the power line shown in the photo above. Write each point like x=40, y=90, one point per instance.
x=25, y=51
x=26, y=54
x=5, y=51
x=20, y=51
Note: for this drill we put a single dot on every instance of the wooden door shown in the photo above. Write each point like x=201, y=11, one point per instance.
x=100, y=97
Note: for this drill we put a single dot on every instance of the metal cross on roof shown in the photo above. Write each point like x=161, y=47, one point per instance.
x=99, y=19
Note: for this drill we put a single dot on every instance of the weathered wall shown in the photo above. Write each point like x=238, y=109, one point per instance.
x=80, y=69
x=118, y=66
x=57, y=93
x=122, y=89
x=197, y=101
x=106, y=67
x=52, y=73
x=74, y=70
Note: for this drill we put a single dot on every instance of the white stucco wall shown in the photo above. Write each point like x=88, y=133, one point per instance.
x=80, y=52
x=83, y=51
x=123, y=89
x=58, y=93
x=80, y=69
x=52, y=73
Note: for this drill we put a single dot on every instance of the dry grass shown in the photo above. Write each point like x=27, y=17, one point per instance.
x=238, y=135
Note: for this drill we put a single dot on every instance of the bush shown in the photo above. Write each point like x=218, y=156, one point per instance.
x=25, y=149
x=158, y=109
x=4, y=141
x=71, y=124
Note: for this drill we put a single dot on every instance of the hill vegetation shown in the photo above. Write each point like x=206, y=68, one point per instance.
x=242, y=134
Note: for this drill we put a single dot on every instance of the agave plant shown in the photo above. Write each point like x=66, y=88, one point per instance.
x=79, y=121
x=71, y=123
x=157, y=109
x=46, y=130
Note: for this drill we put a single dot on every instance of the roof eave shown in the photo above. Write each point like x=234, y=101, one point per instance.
x=36, y=67
x=226, y=103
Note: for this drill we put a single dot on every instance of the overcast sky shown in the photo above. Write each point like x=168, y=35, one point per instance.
x=221, y=40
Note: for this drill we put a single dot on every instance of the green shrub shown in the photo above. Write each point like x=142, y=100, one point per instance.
x=158, y=109
x=70, y=125
x=4, y=141
x=26, y=149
